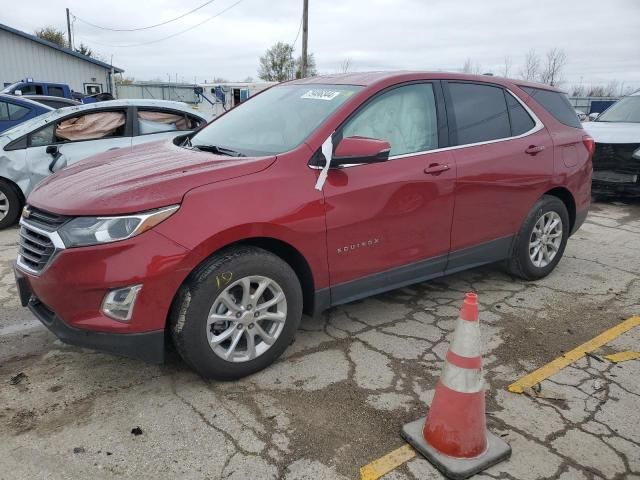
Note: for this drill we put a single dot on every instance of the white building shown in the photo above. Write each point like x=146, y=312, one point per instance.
x=233, y=93
x=23, y=55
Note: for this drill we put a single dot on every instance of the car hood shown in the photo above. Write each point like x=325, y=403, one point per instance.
x=613, y=132
x=148, y=176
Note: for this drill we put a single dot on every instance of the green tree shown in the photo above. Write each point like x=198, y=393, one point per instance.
x=84, y=50
x=312, y=70
x=53, y=35
x=277, y=64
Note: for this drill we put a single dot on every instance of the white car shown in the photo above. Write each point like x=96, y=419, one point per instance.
x=43, y=145
x=616, y=160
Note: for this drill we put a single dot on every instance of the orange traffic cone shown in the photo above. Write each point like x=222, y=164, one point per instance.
x=454, y=436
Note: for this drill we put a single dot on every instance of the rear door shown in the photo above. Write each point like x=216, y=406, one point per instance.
x=152, y=123
x=388, y=224
x=76, y=138
x=504, y=159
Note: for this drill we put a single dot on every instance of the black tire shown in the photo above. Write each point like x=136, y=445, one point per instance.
x=520, y=263
x=190, y=310
x=15, y=204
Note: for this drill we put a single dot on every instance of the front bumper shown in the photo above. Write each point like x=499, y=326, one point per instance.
x=148, y=346
x=67, y=296
x=615, y=169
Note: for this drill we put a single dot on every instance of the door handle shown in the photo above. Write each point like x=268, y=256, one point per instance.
x=436, y=169
x=534, y=149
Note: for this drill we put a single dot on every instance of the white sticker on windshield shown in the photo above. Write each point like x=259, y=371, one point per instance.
x=321, y=94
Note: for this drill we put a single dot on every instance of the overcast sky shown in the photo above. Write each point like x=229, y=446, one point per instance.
x=600, y=37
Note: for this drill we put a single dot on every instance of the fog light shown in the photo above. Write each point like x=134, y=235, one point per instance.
x=118, y=304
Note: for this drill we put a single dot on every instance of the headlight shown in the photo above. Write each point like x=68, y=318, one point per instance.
x=83, y=231
x=636, y=154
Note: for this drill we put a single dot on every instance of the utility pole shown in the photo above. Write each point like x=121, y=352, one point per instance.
x=305, y=34
x=69, y=30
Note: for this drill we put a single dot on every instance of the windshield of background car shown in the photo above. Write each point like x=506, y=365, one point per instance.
x=31, y=123
x=275, y=121
x=625, y=110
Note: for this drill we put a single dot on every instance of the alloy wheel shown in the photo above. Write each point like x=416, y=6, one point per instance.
x=545, y=239
x=246, y=319
x=4, y=206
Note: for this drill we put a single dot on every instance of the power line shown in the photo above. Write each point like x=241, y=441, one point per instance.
x=144, y=28
x=169, y=36
x=298, y=34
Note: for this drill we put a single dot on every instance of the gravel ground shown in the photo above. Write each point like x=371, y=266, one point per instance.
x=339, y=396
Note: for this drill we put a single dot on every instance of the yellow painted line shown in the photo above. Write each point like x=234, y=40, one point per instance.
x=623, y=356
x=390, y=461
x=574, y=355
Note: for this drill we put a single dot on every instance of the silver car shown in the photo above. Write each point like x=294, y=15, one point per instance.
x=43, y=145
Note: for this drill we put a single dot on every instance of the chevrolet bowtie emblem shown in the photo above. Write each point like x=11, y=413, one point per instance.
x=26, y=212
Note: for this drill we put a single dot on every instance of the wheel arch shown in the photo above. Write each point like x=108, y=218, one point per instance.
x=285, y=251
x=566, y=197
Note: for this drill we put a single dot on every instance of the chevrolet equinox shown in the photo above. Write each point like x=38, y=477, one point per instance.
x=311, y=194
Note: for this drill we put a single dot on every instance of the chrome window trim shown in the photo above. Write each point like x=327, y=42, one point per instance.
x=58, y=246
x=538, y=125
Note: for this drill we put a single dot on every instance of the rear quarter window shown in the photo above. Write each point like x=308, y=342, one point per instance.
x=556, y=103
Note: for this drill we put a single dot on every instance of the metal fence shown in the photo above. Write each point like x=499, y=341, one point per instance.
x=179, y=92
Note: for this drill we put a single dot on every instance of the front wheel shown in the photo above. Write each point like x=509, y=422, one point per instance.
x=10, y=204
x=540, y=243
x=236, y=313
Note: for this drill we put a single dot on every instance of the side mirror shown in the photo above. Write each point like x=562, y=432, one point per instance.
x=54, y=166
x=361, y=150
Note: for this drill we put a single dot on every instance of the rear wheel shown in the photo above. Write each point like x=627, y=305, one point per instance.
x=236, y=313
x=540, y=243
x=10, y=204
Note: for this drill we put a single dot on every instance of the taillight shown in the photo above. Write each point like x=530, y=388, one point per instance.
x=589, y=144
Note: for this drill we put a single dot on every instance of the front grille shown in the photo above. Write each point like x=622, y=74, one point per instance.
x=45, y=220
x=616, y=157
x=35, y=248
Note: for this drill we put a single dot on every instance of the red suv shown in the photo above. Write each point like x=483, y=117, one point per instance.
x=313, y=193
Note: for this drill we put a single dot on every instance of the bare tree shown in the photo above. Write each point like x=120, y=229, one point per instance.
x=506, y=67
x=612, y=89
x=345, y=66
x=577, y=90
x=470, y=67
x=555, y=60
x=531, y=66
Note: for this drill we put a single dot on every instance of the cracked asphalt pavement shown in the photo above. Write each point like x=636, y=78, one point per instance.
x=339, y=396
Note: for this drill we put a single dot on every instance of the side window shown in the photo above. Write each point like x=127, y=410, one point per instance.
x=31, y=89
x=90, y=126
x=4, y=111
x=158, y=121
x=42, y=137
x=521, y=121
x=56, y=91
x=480, y=112
x=556, y=103
x=16, y=112
x=405, y=117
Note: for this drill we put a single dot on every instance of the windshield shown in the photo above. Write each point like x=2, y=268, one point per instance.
x=275, y=121
x=625, y=110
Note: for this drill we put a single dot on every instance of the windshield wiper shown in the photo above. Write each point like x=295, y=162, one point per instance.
x=219, y=150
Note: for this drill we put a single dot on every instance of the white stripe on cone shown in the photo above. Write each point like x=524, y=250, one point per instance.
x=466, y=339
x=463, y=380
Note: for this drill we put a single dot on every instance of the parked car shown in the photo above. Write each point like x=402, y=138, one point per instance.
x=15, y=110
x=310, y=194
x=616, y=161
x=45, y=144
x=31, y=87
x=53, y=102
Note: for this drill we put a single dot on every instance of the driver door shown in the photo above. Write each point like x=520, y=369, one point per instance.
x=389, y=223
x=52, y=148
